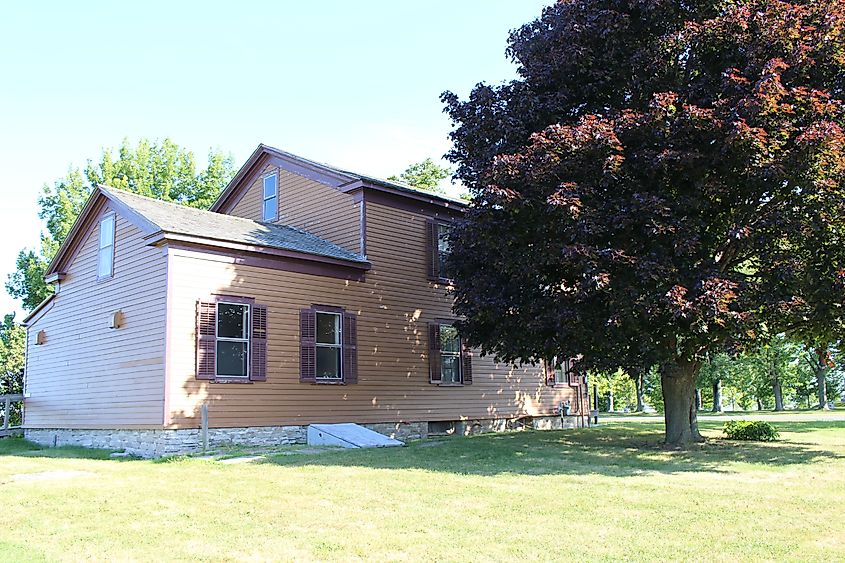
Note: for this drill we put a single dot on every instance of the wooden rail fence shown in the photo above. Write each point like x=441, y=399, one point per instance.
x=12, y=417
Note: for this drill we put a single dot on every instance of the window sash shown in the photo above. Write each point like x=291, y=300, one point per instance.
x=105, y=252
x=269, y=208
x=245, y=339
x=443, y=249
x=451, y=368
x=337, y=346
x=562, y=370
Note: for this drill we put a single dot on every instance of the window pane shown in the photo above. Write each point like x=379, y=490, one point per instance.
x=449, y=341
x=232, y=320
x=104, y=263
x=231, y=358
x=107, y=231
x=328, y=328
x=328, y=362
x=269, y=209
x=451, y=368
x=270, y=186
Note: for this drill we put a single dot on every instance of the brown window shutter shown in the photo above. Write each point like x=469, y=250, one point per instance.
x=549, y=372
x=432, y=250
x=307, y=346
x=434, y=366
x=206, y=340
x=466, y=363
x=258, y=344
x=574, y=372
x=350, y=348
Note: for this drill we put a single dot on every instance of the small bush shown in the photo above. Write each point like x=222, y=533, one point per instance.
x=751, y=430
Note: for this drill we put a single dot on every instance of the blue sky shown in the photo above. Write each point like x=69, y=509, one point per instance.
x=355, y=84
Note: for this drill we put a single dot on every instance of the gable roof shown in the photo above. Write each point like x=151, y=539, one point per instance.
x=343, y=180
x=161, y=220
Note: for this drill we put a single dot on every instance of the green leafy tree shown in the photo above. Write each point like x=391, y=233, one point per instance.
x=12, y=343
x=616, y=390
x=662, y=178
x=425, y=175
x=161, y=170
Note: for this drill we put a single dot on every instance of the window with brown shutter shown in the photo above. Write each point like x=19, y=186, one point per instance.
x=561, y=372
x=549, y=372
x=437, y=243
x=231, y=339
x=328, y=345
x=449, y=356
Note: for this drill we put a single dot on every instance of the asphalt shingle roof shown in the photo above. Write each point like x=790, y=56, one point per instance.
x=183, y=220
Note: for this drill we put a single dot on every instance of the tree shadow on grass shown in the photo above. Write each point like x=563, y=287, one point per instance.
x=618, y=451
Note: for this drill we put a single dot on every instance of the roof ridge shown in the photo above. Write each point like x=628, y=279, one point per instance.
x=345, y=172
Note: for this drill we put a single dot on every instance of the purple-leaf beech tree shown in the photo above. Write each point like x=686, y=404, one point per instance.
x=664, y=179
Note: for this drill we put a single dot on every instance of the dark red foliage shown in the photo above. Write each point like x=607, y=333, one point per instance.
x=665, y=178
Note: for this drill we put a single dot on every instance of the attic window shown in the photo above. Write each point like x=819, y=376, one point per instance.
x=271, y=198
x=105, y=256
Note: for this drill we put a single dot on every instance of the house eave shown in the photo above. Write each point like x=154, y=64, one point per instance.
x=161, y=238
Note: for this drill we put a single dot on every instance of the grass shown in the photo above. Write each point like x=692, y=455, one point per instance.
x=610, y=493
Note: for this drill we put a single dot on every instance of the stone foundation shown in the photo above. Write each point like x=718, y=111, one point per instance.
x=161, y=442
x=157, y=443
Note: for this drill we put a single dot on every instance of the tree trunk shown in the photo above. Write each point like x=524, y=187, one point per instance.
x=822, y=363
x=640, y=383
x=610, y=400
x=678, y=382
x=759, y=404
x=821, y=383
x=697, y=399
x=776, y=387
x=717, y=396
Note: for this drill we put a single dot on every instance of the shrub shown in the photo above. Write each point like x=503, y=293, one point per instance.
x=751, y=430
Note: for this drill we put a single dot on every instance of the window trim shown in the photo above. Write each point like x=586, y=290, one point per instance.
x=565, y=371
x=434, y=250
x=463, y=352
x=247, y=341
x=339, y=346
x=265, y=199
x=459, y=355
x=113, y=217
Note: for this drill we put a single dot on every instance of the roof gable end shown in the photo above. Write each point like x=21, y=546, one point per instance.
x=342, y=180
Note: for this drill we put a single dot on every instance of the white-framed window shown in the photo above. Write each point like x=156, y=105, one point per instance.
x=329, y=364
x=271, y=198
x=562, y=370
x=105, y=255
x=232, y=343
x=450, y=354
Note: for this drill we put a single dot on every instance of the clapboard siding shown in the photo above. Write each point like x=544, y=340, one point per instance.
x=394, y=305
x=90, y=376
x=308, y=205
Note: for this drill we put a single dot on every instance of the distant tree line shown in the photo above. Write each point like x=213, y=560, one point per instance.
x=778, y=376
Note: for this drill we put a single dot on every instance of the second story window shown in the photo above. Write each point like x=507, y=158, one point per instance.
x=105, y=256
x=271, y=198
x=438, y=250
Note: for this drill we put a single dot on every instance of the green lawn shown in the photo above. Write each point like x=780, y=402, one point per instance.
x=604, y=494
